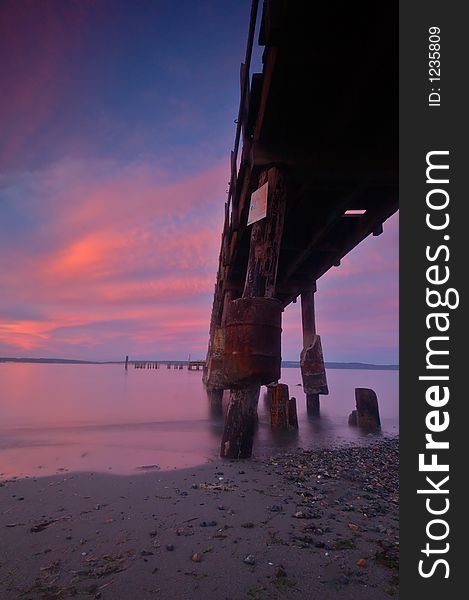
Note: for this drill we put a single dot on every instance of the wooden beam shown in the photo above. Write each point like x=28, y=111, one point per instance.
x=266, y=237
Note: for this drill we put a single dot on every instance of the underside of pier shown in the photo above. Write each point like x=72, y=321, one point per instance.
x=318, y=129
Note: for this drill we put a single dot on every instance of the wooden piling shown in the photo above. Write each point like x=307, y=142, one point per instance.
x=260, y=282
x=266, y=237
x=279, y=406
x=240, y=423
x=283, y=413
x=312, y=366
x=367, y=409
x=292, y=414
x=313, y=405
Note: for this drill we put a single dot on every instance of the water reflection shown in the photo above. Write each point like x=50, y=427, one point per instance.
x=98, y=417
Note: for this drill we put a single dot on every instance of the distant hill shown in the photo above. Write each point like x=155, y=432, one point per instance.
x=51, y=360
x=340, y=365
x=286, y=363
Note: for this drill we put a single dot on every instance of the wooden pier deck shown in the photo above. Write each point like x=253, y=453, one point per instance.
x=316, y=174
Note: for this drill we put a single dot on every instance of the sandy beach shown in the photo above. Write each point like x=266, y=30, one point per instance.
x=306, y=524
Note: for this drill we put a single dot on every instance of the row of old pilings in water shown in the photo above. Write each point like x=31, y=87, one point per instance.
x=146, y=365
x=192, y=365
x=283, y=409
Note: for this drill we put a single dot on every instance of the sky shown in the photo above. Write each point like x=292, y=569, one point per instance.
x=116, y=125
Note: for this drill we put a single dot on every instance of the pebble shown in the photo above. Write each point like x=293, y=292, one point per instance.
x=169, y=547
x=361, y=562
x=249, y=560
x=280, y=572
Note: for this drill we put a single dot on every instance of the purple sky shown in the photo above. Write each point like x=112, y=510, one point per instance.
x=116, y=125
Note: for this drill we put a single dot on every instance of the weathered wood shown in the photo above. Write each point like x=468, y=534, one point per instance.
x=313, y=405
x=266, y=238
x=308, y=317
x=367, y=409
x=334, y=164
x=215, y=402
x=240, y=423
x=261, y=274
x=126, y=363
x=312, y=366
x=283, y=413
x=292, y=414
x=279, y=413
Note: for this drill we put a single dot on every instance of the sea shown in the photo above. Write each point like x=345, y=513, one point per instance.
x=58, y=418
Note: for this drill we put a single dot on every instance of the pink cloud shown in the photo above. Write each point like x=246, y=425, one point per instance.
x=101, y=258
x=124, y=260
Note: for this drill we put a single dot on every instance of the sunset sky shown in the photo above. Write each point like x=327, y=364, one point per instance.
x=116, y=125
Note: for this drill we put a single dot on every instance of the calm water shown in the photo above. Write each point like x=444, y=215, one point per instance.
x=55, y=418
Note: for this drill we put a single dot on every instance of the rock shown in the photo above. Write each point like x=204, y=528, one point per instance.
x=280, y=572
x=185, y=531
x=361, y=562
x=196, y=557
x=169, y=547
x=249, y=560
x=208, y=524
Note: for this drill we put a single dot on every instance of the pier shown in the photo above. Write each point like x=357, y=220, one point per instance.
x=192, y=365
x=314, y=171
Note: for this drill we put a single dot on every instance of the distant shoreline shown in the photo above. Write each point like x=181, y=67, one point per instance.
x=285, y=364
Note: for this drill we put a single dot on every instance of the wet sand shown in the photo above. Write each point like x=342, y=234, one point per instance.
x=304, y=524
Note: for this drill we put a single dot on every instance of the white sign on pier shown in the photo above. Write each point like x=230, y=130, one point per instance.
x=258, y=206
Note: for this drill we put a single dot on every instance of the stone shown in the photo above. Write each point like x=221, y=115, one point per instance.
x=280, y=572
